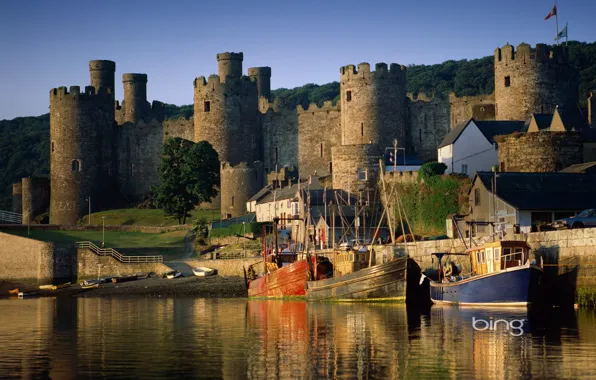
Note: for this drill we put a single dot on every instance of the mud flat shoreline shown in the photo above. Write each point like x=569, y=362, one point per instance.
x=207, y=287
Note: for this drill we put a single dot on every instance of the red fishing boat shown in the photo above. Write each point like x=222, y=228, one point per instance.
x=283, y=274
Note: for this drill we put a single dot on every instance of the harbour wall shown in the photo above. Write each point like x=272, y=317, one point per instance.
x=225, y=267
x=36, y=262
x=91, y=265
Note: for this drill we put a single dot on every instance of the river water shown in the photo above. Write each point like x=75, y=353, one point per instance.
x=144, y=338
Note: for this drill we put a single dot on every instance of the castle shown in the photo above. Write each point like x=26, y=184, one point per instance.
x=100, y=147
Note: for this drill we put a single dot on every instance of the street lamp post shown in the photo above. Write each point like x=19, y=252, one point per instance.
x=103, y=232
x=244, y=238
x=89, y=215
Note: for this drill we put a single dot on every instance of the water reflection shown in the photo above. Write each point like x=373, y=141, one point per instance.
x=236, y=338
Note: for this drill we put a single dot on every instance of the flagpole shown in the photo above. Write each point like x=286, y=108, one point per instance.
x=566, y=33
x=557, y=22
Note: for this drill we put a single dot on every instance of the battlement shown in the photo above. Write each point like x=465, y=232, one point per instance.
x=262, y=71
x=524, y=53
x=75, y=92
x=214, y=83
x=484, y=98
x=351, y=72
x=228, y=56
x=102, y=65
x=278, y=105
x=313, y=107
x=134, y=77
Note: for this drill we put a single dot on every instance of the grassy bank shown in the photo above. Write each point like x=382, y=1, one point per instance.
x=145, y=217
x=586, y=297
x=168, y=244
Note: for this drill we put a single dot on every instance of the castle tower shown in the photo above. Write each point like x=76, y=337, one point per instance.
x=229, y=64
x=102, y=75
x=531, y=81
x=373, y=104
x=135, y=103
x=238, y=184
x=36, y=197
x=261, y=75
x=226, y=111
x=78, y=122
x=355, y=167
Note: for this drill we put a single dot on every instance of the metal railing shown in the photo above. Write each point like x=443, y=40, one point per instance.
x=11, y=217
x=117, y=255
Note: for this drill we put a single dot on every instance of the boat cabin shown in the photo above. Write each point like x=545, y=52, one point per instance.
x=496, y=256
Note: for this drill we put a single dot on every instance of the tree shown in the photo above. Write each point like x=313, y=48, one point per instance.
x=189, y=176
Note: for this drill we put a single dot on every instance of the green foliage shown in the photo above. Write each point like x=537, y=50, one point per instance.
x=431, y=169
x=189, y=176
x=586, y=297
x=175, y=112
x=307, y=94
x=201, y=225
x=236, y=229
x=429, y=203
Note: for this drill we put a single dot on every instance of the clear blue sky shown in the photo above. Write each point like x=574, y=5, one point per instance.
x=48, y=43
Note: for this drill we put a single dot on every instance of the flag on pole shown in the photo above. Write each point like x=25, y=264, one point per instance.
x=552, y=13
x=562, y=33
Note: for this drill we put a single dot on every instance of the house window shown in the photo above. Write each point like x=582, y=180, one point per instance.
x=348, y=96
x=362, y=174
x=207, y=106
x=507, y=81
x=76, y=165
x=321, y=149
x=464, y=169
x=477, y=197
x=53, y=147
x=295, y=210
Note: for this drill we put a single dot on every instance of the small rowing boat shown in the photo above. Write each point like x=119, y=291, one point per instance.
x=173, y=274
x=14, y=291
x=203, y=271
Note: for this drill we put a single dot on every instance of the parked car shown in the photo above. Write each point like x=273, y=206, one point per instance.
x=586, y=218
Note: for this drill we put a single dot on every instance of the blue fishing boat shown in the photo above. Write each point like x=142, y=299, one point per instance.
x=502, y=273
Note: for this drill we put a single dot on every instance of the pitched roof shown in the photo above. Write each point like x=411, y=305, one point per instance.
x=543, y=191
x=489, y=128
x=288, y=192
x=578, y=168
x=260, y=194
x=543, y=120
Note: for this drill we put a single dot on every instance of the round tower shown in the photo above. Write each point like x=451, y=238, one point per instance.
x=103, y=75
x=355, y=167
x=135, y=103
x=77, y=123
x=17, y=197
x=238, y=184
x=229, y=64
x=529, y=81
x=373, y=104
x=225, y=115
x=261, y=75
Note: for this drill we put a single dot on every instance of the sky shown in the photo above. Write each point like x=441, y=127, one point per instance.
x=46, y=44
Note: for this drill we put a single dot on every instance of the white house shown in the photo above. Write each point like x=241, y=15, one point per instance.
x=470, y=146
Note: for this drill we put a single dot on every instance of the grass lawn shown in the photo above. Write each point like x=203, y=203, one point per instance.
x=168, y=244
x=145, y=217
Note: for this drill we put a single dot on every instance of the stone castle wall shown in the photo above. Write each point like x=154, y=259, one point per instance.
x=181, y=127
x=428, y=120
x=238, y=184
x=480, y=107
x=531, y=81
x=540, y=151
x=318, y=131
x=279, y=127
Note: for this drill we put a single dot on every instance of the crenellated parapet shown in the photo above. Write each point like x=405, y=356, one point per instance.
x=262, y=76
x=74, y=93
x=382, y=72
x=278, y=105
x=155, y=111
x=214, y=86
x=327, y=106
x=524, y=53
x=229, y=65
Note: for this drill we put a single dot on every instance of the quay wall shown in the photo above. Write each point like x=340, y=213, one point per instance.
x=91, y=265
x=36, y=262
x=97, y=227
x=557, y=247
x=225, y=267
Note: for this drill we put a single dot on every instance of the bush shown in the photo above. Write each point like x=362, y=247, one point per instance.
x=431, y=169
x=201, y=226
